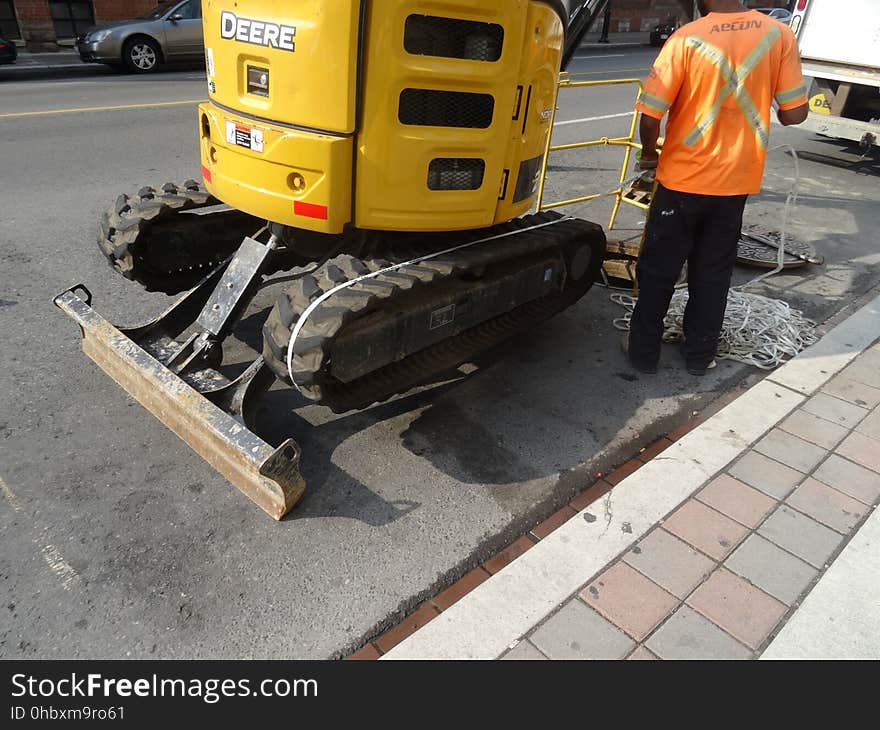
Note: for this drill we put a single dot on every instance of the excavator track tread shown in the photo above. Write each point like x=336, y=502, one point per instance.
x=144, y=237
x=314, y=342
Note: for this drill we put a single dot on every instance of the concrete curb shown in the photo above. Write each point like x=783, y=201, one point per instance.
x=60, y=60
x=15, y=68
x=63, y=70
x=492, y=617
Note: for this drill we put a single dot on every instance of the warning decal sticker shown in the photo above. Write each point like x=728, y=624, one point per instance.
x=244, y=136
x=209, y=62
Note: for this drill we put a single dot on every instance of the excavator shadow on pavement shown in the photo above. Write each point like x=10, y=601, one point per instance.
x=528, y=423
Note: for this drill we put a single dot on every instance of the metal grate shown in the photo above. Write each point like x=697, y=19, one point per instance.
x=429, y=35
x=429, y=108
x=455, y=173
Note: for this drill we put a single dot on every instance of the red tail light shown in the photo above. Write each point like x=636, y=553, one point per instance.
x=310, y=210
x=802, y=5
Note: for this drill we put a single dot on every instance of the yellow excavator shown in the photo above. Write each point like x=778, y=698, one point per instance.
x=384, y=155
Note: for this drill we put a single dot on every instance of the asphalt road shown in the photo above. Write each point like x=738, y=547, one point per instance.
x=117, y=541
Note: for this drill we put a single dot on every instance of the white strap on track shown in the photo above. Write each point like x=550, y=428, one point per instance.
x=303, y=318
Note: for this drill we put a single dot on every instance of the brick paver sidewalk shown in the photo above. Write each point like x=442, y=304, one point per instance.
x=733, y=534
x=721, y=574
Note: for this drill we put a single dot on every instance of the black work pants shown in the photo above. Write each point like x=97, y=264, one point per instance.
x=702, y=230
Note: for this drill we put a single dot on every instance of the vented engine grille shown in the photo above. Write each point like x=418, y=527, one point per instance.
x=428, y=35
x=430, y=108
x=453, y=173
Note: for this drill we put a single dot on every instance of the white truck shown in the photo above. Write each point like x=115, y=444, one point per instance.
x=840, y=50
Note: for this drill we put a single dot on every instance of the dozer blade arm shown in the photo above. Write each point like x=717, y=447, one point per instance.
x=269, y=476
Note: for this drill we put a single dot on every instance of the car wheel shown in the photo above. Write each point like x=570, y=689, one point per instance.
x=142, y=55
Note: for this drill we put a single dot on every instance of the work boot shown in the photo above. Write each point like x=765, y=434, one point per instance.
x=700, y=369
x=696, y=367
x=640, y=366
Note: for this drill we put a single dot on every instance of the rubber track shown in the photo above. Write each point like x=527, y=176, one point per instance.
x=316, y=337
x=134, y=229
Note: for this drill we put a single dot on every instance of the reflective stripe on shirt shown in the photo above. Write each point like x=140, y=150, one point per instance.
x=783, y=97
x=734, y=84
x=653, y=102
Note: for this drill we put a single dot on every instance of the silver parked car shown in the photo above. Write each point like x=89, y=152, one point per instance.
x=170, y=32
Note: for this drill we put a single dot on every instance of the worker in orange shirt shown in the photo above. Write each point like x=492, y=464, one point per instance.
x=717, y=78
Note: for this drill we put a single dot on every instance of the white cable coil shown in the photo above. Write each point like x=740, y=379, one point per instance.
x=757, y=330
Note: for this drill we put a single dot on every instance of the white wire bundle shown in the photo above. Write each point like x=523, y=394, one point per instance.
x=757, y=330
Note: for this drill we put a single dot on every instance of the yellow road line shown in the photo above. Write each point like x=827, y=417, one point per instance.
x=120, y=107
x=101, y=108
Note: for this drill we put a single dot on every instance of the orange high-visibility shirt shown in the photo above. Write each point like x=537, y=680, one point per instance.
x=717, y=78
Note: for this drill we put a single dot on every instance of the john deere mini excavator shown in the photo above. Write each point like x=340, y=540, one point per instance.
x=384, y=154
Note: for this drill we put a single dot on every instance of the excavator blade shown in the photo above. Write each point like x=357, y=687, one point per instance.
x=267, y=475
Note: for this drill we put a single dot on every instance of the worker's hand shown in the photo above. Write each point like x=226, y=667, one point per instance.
x=647, y=167
x=646, y=179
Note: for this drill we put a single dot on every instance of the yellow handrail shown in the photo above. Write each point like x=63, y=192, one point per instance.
x=627, y=142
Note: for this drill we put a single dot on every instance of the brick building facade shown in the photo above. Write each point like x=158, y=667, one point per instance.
x=43, y=25
x=642, y=15
x=639, y=15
